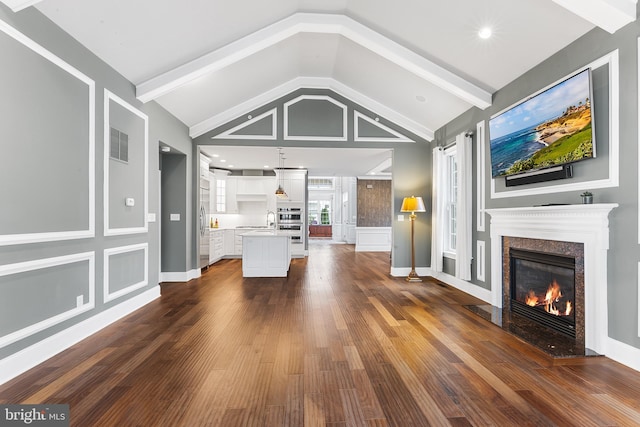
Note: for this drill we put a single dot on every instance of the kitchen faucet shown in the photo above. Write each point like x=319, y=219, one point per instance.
x=271, y=219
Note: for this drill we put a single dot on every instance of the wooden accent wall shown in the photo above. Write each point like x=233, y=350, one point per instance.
x=374, y=203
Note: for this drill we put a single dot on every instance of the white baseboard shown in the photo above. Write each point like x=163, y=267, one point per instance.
x=179, y=276
x=20, y=362
x=464, y=286
x=623, y=353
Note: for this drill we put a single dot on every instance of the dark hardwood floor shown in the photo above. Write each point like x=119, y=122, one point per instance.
x=337, y=343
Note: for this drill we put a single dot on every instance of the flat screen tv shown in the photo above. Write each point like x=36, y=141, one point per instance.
x=553, y=127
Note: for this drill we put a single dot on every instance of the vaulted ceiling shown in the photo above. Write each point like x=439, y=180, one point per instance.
x=419, y=63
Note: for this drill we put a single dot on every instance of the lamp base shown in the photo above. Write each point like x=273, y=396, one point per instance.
x=413, y=277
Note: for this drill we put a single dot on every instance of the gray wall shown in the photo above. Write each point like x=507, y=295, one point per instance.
x=624, y=252
x=44, y=116
x=412, y=178
x=174, y=201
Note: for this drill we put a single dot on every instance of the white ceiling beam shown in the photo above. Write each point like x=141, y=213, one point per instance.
x=18, y=5
x=311, y=83
x=610, y=15
x=314, y=23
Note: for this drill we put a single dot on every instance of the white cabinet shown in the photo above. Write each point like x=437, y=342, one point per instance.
x=204, y=167
x=294, y=183
x=229, y=242
x=216, y=248
x=265, y=254
x=231, y=190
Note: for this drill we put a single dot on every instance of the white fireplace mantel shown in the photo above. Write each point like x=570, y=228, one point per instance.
x=586, y=224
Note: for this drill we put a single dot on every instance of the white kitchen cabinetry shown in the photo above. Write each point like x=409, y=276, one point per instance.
x=265, y=254
x=229, y=242
x=216, y=248
x=294, y=183
x=231, y=200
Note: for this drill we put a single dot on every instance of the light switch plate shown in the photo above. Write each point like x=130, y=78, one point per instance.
x=400, y=217
x=129, y=201
x=151, y=217
x=174, y=217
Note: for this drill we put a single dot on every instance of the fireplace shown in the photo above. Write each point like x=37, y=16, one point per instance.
x=543, y=289
x=559, y=229
x=543, y=293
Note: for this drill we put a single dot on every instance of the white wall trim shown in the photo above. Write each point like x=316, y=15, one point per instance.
x=610, y=15
x=327, y=98
x=13, y=239
x=373, y=239
x=480, y=260
x=81, y=306
x=623, y=353
x=18, y=5
x=110, y=296
x=310, y=83
x=481, y=176
x=23, y=360
x=610, y=60
x=397, y=136
x=108, y=231
x=180, y=276
x=314, y=23
x=462, y=285
x=230, y=134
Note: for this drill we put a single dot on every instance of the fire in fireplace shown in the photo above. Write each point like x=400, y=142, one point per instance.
x=543, y=289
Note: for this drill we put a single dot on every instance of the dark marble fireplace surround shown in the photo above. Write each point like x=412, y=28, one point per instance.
x=550, y=341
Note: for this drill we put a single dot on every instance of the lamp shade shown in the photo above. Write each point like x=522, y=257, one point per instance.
x=412, y=204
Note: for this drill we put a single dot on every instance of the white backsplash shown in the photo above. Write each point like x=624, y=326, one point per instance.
x=250, y=213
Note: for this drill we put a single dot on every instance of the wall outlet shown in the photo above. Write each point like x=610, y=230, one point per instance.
x=129, y=201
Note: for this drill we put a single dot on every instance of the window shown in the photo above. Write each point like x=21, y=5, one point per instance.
x=221, y=193
x=451, y=196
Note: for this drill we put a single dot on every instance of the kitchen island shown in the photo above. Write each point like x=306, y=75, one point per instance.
x=265, y=253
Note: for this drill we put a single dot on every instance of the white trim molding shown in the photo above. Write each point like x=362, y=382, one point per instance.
x=23, y=360
x=14, y=239
x=108, y=231
x=314, y=23
x=326, y=98
x=108, y=253
x=397, y=136
x=373, y=239
x=480, y=260
x=586, y=224
x=481, y=175
x=610, y=60
x=610, y=15
x=230, y=134
x=81, y=305
x=18, y=5
x=311, y=83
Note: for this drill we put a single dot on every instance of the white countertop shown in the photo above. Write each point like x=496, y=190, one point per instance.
x=270, y=232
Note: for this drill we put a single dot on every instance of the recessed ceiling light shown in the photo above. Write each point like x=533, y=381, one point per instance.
x=231, y=166
x=223, y=161
x=215, y=155
x=165, y=149
x=484, y=33
x=266, y=166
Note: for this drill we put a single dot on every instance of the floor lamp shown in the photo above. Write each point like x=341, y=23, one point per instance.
x=413, y=204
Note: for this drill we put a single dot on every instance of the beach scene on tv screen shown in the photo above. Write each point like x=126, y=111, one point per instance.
x=551, y=128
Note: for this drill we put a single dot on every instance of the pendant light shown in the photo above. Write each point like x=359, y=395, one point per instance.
x=280, y=193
